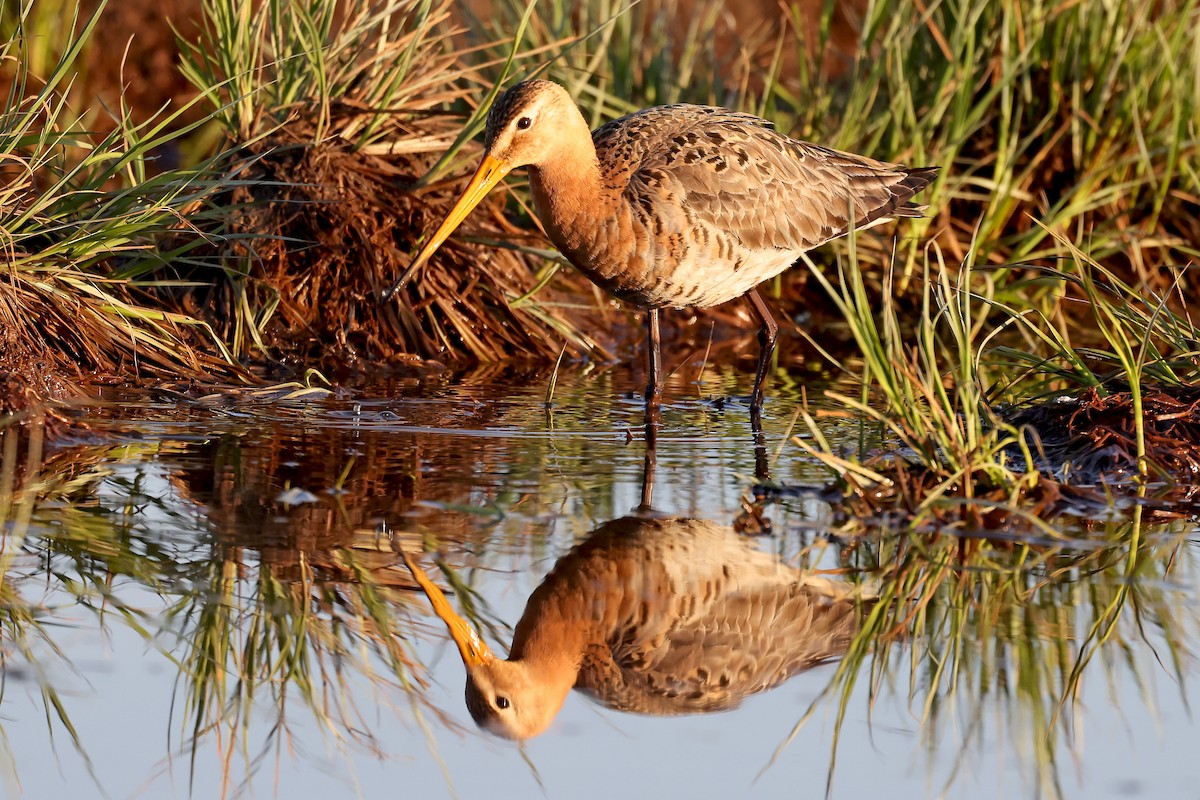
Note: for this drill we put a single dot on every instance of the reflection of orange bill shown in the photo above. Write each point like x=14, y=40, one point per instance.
x=474, y=652
x=491, y=171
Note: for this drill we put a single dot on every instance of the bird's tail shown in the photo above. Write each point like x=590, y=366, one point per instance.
x=914, y=180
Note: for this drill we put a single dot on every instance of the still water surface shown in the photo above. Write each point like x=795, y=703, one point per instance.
x=210, y=593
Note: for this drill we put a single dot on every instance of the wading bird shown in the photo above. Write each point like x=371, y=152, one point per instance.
x=679, y=205
x=654, y=616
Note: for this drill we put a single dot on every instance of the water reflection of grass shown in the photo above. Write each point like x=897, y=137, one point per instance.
x=266, y=651
x=965, y=627
x=36, y=506
x=252, y=643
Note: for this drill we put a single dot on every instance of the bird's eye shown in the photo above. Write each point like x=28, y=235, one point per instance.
x=524, y=122
x=501, y=702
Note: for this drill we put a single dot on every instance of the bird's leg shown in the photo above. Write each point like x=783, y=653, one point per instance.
x=753, y=519
x=768, y=334
x=654, y=384
x=762, y=465
x=649, y=465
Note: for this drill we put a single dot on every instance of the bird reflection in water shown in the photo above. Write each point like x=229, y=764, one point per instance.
x=652, y=615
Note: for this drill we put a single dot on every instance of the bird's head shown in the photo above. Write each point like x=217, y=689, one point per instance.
x=526, y=124
x=525, y=127
x=512, y=699
x=505, y=699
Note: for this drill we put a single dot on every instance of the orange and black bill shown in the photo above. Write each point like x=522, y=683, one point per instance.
x=472, y=649
x=491, y=171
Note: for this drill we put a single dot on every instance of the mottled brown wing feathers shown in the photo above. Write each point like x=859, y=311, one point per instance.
x=753, y=641
x=748, y=643
x=734, y=173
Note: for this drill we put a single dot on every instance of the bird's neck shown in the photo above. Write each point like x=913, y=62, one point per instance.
x=569, y=196
x=551, y=646
x=554, y=633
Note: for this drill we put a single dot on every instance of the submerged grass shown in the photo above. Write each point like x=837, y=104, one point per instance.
x=987, y=409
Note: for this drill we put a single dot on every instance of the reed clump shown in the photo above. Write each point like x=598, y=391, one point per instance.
x=1066, y=134
x=275, y=247
x=986, y=417
x=337, y=123
x=82, y=226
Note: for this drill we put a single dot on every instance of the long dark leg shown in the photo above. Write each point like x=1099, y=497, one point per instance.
x=654, y=384
x=753, y=520
x=762, y=465
x=649, y=465
x=768, y=334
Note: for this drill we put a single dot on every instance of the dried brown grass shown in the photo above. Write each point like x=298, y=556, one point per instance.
x=333, y=227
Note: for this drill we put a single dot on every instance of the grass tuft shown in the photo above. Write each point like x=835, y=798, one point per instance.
x=82, y=226
x=337, y=115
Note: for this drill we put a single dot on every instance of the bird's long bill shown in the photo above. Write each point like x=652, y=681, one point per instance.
x=491, y=171
x=472, y=649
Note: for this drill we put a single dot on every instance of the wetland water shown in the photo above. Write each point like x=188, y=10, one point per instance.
x=209, y=592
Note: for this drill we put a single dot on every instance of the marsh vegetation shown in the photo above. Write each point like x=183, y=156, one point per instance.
x=217, y=437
